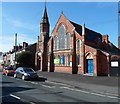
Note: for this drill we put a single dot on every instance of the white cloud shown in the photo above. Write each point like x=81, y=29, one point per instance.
x=8, y=40
x=25, y=37
x=16, y=23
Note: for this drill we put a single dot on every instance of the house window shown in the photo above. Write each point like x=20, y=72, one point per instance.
x=68, y=60
x=68, y=40
x=61, y=37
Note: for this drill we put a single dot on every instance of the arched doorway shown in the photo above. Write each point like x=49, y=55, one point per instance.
x=89, y=64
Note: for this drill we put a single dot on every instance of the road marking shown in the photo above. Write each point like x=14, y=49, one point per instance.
x=18, y=79
x=47, y=86
x=58, y=83
x=32, y=103
x=33, y=82
x=15, y=96
x=113, y=97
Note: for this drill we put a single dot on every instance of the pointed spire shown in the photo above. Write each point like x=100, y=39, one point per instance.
x=45, y=16
x=45, y=3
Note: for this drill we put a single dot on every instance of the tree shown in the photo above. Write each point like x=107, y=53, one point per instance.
x=25, y=59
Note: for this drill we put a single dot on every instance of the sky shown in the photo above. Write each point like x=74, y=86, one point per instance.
x=24, y=19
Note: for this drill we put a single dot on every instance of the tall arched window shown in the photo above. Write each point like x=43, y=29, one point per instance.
x=68, y=40
x=55, y=43
x=61, y=36
x=78, y=44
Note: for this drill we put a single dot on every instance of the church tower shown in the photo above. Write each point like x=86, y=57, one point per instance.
x=44, y=26
x=44, y=34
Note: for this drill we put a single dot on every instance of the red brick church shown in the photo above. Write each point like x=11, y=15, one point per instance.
x=72, y=48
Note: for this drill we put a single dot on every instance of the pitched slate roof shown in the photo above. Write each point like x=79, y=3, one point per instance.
x=95, y=37
x=90, y=35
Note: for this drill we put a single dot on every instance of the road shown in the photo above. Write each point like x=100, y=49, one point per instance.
x=34, y=92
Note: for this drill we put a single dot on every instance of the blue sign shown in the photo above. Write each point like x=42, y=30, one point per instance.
x=62, y=60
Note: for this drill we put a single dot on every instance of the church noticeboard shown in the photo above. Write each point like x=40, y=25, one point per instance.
x=114, y=63
x=56, y=61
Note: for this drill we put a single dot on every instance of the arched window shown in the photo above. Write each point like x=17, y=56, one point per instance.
x=55, y=43
x=68, y=60
x=68, y=40
x=61, y=36
x=78, y=44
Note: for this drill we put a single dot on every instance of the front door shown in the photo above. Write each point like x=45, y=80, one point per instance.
x=90, y=67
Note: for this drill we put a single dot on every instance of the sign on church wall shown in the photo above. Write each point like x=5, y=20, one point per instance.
x=57, y=61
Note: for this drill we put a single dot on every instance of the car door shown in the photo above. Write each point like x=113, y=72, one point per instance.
x=18, y=72
x=21, y=72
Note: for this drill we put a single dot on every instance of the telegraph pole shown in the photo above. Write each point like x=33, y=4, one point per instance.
x=15, y=48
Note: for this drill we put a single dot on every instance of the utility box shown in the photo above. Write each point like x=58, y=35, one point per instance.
x=114, y=65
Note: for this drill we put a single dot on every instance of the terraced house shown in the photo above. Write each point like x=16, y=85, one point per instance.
x=73, y=48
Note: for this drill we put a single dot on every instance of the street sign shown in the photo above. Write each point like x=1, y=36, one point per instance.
x=62, y=60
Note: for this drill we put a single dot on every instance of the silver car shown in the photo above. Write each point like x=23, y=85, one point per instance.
x=25, y=73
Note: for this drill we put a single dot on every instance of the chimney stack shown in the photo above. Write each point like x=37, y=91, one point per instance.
x=25, y=44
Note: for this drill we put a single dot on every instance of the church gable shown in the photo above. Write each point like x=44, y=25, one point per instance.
x=62, y=21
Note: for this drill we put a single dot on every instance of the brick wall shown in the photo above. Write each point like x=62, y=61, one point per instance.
x=65, y=69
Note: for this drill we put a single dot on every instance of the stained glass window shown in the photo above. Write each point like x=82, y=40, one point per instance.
x=61, y=37
x=78, y=44
x=55, y=43
x=68, y=40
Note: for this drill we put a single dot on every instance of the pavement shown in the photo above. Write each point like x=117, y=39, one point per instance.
x=96, y=84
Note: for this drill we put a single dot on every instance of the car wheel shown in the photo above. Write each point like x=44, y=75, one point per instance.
x=15, y=76
x=23, y=77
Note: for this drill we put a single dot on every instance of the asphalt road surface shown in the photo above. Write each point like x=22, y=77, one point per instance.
x=38, y=91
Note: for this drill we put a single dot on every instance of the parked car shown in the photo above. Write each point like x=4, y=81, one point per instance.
x=8, y=71
x=25, y=73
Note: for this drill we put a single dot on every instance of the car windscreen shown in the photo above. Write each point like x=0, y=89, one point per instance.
x=9, y=68
x=28, y=70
